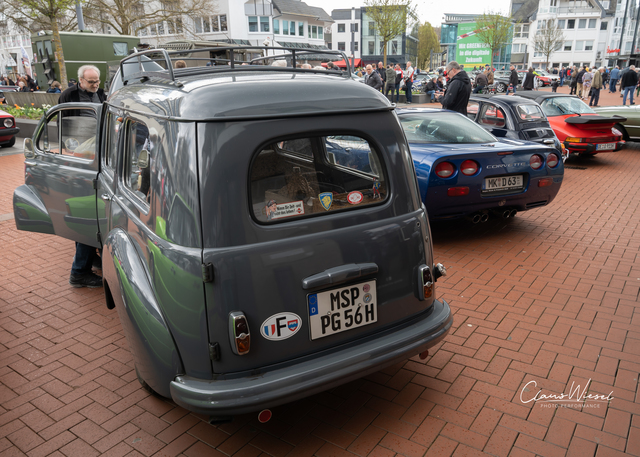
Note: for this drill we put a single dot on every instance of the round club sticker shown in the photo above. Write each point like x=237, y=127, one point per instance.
x=355, y=197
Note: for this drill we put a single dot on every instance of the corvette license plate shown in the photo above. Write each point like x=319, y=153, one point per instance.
x=503, y=183
x=340, y=310
x=605, y=146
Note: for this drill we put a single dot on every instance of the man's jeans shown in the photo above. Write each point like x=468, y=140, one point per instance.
x=83, y=259
x=397, y=92
x=432, y=93
x=561, y=80
x=612, y=85
x=628, y=91
x=595, y=97
x=478, y=89
x=409, y=85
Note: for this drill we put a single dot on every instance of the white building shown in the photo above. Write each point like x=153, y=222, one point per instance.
x=586, y=25
x=347, y=25
x=12, y=41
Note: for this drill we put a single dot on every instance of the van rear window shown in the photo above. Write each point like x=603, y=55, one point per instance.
x=293, y=178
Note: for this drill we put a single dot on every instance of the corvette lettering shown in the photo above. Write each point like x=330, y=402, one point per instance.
x=505, y=165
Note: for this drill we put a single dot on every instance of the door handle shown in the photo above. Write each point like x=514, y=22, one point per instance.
x=339, y=275
x=105, y=197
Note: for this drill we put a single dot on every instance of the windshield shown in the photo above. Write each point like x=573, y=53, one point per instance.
x=442, y=127
x=559, y=106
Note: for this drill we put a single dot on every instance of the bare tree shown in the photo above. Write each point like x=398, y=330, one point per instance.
x=391, y=18
x=494, y=31
x=127, y=17
x=46, y=12
x=548, y=39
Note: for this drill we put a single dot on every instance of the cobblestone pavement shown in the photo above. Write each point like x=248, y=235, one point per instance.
x=549, y=296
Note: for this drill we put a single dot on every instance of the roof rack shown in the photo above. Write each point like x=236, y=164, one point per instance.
x=223, y=59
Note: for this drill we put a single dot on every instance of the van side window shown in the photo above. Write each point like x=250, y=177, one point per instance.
x=138, y=158
x=342, y=172
x=113, y=129
x=71, y=132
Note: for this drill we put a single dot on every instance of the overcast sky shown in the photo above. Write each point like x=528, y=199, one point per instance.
x=429, y=10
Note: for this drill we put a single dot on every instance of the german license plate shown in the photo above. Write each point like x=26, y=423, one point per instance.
x=339, y=310
x=605, y=146
x=503, y=183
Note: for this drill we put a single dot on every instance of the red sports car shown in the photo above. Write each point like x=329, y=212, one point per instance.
x=8, y=129
x=577, y=126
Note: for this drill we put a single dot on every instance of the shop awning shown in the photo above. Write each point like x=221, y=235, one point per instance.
x=342, y=63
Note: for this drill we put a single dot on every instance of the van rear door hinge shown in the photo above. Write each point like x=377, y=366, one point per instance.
x=207, y=272
x=214, y=351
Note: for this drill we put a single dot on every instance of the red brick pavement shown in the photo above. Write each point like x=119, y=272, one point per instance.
x=550, y=296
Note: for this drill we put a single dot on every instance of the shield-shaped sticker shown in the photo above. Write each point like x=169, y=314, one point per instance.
x=326, y=198
x=293, y=325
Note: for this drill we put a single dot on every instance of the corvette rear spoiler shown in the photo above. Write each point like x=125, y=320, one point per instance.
x=595, y=119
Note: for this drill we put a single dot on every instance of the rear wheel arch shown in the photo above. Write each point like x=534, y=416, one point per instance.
x=625, y=134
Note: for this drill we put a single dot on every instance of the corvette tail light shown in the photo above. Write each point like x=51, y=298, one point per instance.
x=457, y=191
x=544, y=182
x=469, y=167
x=445, y=169
x=536, y=161
x=552, y=161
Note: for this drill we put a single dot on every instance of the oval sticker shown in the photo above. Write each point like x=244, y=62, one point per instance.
x=281, y=326
x=355, y=197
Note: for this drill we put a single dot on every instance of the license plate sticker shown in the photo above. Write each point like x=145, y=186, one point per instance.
x=499, y=183
x=605, y=146
x=343, y=309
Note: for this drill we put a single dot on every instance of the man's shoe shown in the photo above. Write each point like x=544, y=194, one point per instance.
x=89, y=280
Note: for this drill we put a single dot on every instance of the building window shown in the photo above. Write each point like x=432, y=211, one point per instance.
x=561, y=23
x=371, y=47
x=592, y=23
x=197, y=22
x=309, y=29
x=341, y=46
x=567, y=45
x=276, y=26
x=292, y=28
x=215, y=27
x=582, y=23
x=264, y=23
x=285, y=27
x=394, y=47
x=355, y=27
x=314, y=31
x=372, y=28
x=223, y=22
x=579, y=45
x=355, y=46
x=340, y=28
x=588, y=45
x=320, y=33
x=571, y=23
x=603, y=25
x=253, y=23
x=301, y=28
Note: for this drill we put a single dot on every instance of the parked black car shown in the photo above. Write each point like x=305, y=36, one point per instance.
x=513, y=117
x=501, y=81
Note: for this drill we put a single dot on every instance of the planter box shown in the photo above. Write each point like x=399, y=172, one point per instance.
x=27, y=98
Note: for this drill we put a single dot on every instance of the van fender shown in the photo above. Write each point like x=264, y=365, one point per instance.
x=154, y=350
x=29, y=211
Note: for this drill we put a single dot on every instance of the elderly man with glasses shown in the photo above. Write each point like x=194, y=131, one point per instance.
x=86, y=91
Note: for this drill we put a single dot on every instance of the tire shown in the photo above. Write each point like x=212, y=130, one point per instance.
x=10, y=143
x=625, y=134
x=501, y=88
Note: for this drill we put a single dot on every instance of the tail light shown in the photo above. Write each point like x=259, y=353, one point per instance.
x=445, y=170
x=552, y=161
x=544, y=182
x=536, y=161
x=425, y=281
x=469, y=167
x=571, y=139
x=616, y=132
x=239, y=333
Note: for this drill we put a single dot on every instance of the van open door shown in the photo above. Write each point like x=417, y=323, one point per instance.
x=61, y=167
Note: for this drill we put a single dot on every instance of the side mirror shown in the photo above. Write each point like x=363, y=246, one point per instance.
x=28, y=149
x=143, y=159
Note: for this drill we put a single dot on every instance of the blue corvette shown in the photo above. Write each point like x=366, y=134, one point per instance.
x=463, y=170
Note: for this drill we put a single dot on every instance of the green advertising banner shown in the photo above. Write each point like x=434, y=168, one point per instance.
x=469, y=51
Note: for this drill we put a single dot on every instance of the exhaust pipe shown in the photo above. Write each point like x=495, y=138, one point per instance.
x=506, y=214
x=476, y=218
x=484, y=217
x=513, y=213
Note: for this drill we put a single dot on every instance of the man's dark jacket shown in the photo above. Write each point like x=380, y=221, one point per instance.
x=580, y=75
x=382, y=72
x=482, y=80
x=629, y=78
x=373, y=80
x=72, y=95
x=431, y=86
x=513, y=78
x=458, y=92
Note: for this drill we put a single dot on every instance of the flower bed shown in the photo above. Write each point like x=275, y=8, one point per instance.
x=25, y=112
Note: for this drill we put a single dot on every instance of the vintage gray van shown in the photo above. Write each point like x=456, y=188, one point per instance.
x=262, y=234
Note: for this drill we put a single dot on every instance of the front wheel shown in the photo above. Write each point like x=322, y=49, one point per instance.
x=501, y=88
